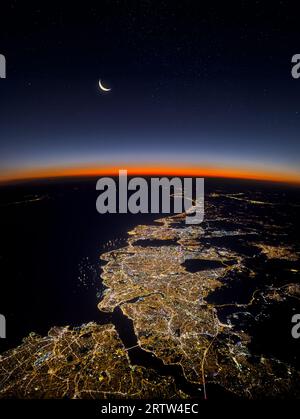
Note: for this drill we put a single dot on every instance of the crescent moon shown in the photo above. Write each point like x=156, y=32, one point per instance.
x=102, y=87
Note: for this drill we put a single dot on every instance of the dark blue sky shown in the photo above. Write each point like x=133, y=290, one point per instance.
x=190, y=83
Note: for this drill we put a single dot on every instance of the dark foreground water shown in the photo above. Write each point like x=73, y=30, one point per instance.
x=50, y=242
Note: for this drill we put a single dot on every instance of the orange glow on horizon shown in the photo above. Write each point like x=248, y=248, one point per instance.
x=152, y=170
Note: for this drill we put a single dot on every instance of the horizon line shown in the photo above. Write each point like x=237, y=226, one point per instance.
x=151, y=170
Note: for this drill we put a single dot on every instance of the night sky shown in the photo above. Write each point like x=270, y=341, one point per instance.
x=193, y=83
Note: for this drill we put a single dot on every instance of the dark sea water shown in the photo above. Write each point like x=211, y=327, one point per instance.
x=49, y=255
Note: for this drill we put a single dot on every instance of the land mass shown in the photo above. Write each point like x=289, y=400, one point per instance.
x=180, y=286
